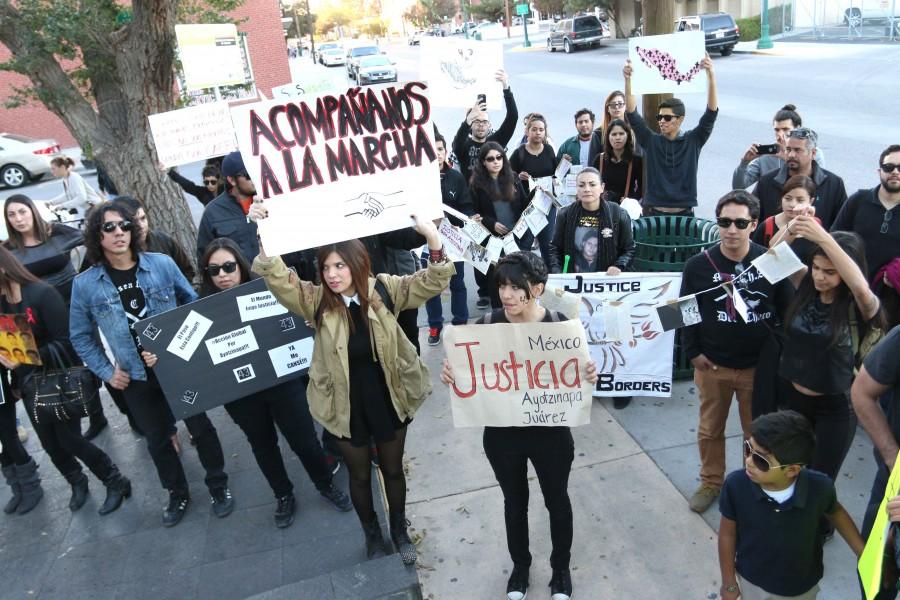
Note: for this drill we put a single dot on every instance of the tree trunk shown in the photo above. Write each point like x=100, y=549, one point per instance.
x=659, y=16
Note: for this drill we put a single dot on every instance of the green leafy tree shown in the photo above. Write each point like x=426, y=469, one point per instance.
x=488, y=9
x=334, y=16
x=550, y=8
x=102, y=68
x=417, y=15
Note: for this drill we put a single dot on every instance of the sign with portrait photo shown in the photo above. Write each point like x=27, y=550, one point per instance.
x=17, y=340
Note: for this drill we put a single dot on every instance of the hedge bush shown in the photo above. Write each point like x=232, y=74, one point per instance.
x=749, y=28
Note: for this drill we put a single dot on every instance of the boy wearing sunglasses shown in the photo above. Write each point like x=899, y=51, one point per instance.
x=725, y=347
x=770, y=545
x=671, y=156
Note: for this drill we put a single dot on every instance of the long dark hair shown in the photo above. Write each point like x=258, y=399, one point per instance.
x=93, y=234
x=11, y=270
x=482, y=181
x=628, y=150
x=356, y=257
x=207, y=287
x=41, y=227
x=838, y=311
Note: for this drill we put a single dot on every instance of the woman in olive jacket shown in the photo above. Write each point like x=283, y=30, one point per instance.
x=365, y=378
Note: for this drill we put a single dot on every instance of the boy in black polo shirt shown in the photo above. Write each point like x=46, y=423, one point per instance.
x=770, y=546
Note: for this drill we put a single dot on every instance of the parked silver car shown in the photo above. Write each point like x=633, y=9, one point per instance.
x=375, y=69
x=24, y=159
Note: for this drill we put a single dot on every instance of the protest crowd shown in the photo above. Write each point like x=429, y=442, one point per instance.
x=807, y=355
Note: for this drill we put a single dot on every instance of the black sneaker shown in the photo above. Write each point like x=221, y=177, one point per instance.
x=222, y=502
x=560, y=585
x=284, y=512
x=483, y=303
x=338, y=499
x=174, y=512
x=517, y=586
x=434, y=336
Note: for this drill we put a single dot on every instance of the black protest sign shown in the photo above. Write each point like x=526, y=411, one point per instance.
x=224, y=347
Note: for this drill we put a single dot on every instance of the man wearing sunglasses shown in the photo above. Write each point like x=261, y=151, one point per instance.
x=800, y=159
x=226, y=216
x=725, y=347
x=874, y=213
x=672, y=155
x=126, y=285
x=206, y=193
x=475, y=130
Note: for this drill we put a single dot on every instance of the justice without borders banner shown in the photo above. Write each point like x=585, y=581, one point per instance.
x=335, y=167
x=639, y=364
x=519, y=374
x=224, y=347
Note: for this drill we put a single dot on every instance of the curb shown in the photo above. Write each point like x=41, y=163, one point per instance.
x=532, y=48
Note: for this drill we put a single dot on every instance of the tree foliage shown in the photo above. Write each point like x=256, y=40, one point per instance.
x=488, y=9
x=550, y=8
x=102, y=67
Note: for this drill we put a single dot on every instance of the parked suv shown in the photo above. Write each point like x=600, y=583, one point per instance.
x=722, y=33
x=356, y=53
x=569, y=34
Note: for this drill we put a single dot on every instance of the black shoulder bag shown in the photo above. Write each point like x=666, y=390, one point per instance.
x=63, y=390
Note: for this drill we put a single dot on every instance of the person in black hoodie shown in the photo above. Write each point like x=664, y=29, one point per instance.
x=46, y=312
x=213, y=184
x=724, y=348
x=594, y=233
x=499, y=200
x=475, y=130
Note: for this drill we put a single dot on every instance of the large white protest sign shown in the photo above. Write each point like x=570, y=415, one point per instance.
x=458, y=70
x=343, y=166
x=668, y=63
x=192, y=134
x=519, y=374
x=641, y=366
x=210, y=55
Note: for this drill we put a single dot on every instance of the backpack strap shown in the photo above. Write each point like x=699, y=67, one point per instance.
x=768, y=230
x=382, y=290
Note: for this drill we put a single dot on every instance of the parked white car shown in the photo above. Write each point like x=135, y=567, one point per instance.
x=332, y=57
x=24, y=159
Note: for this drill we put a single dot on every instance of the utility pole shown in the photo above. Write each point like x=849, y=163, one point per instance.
x=312, y=42
x=508, y=35
x=659, y=18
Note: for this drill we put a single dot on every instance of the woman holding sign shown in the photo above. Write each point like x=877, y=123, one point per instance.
x=520, y=278
x=592, y=235
x=366, y=380
x=832, y=311
x=223, y=267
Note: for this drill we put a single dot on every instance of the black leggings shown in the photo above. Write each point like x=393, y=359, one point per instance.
x=390, y=458
x=834, y=422
x=551, y=451
x=13, y=452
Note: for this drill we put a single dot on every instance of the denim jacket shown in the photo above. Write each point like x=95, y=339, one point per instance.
x=95, y=303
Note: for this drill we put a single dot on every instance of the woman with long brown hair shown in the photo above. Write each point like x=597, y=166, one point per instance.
x=366, y=380
x=46, y=312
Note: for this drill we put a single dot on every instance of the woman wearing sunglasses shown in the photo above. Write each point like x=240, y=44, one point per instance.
x=499, y=200
x=832, y=306
x=521, y=278
x=224, y=267
x=366, y=380
x=22, y=293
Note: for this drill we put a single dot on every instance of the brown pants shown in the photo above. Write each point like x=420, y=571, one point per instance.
x=717, y=387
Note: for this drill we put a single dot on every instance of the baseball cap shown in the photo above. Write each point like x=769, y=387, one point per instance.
x=233, y=165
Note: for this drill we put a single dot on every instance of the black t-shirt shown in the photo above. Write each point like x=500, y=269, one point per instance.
x=587, y=241
x=723, y=336
x=131, y=296
x=808, y=343
x=614, y=175
x=883, y=364
x=542, y=165
x=879, y=228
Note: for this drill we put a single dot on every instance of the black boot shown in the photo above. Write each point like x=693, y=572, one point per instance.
x=79, y=483
x=401, y=539
x=30, y=483
x=375, y=545
x=118, y=487
x=98, y=424
x=10, y=474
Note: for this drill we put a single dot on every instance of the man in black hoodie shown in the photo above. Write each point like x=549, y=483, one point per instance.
x=475, y=130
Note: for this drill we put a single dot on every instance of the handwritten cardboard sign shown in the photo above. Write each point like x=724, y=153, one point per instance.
x=360, y=162
x=519, y=374
x=192, y=134
x=224, y=347
x=458, y=70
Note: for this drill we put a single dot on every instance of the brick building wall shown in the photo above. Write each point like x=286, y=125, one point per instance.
x=268, y=57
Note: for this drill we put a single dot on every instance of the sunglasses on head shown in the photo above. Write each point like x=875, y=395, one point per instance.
x=495, y=158
x=760, y=461
x=666, y=118
x=211, y=181
x=890, y=167
x=725, y=223
x=228, y=267
x=110, y=226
